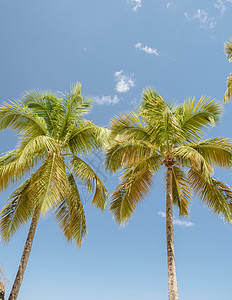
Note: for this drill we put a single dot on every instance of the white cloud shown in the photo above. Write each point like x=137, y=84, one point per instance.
x=162, y=214
x=106, y=100
x=203, y=17
x=168, y=4
x=220, y=5
x=123, y=82
x=146, y=49
x=136, y=4
x=177, y=221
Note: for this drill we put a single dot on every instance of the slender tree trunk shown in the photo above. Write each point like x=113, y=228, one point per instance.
x=2, y=294
x=25, y=256
x=172, y=282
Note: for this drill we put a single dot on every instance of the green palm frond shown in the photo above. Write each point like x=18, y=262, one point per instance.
x=17, y=212
x=126, y=152
x=190, y=156
x=194, y=117
x=74, y=99
x=228, y=93
x=42, y=104
x=70, y=214
x=14, y=164
x=181, y=190
x=84, y=137
x=215, y=151
x=21, y=119
x=91, y=181
x=48, y=183
x=215, y=194
x=228, y=49
x=135, y=184
x=75, y=107
x=152, y=105
x=130, y=126
x=164, y=126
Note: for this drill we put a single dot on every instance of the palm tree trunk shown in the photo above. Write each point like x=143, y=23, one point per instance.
x=2, y=294
x=172, y=282
x=25, y=256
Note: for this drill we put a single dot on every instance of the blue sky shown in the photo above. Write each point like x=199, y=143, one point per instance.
x=116, y=49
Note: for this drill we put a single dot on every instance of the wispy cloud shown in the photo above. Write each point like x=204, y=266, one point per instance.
x=203, y=17
x=136, y=4
x=106, y=99
x=123, y=82
x=177, y=221
x=146, y=49
x=220, y=5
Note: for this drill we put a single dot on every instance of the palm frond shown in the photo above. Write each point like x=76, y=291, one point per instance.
x=14, y=164
x=195, y=117
x=135, y=184
x=17, y=212
x=70, y=214
x=128, y=125
x=91, y=181
x=21, y=119
x=228, y=93
x=126, y=152
x=216, y=151
x=41, y=104
x=152, y=105
x=74, y=107
x=164, y=126
x=228, y=49
x=215, y=194
x=181, y=190
x=48, y=184
x=191, y=157
x=84, y=137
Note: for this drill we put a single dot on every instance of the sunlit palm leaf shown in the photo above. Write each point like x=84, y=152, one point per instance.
x=70, y=214
x=228, y=93
x=228, y=50
x=91, y=181
x=215, y=194
x=216, y=151
x=181, y=190
x=126, y=152
x=130, y=126
x=187, y=154
x=17, y=212
x=194, y=117
x=21, y=119
x=164, y=126
x=84, y=137
x=135, y=184
x=14, y=164
x=49, y=183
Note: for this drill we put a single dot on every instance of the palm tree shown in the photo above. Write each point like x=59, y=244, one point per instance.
x=169, y=136
x=228, y=52
x=54, y=136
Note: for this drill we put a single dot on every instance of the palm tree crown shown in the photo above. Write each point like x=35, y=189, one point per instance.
x=169, y=135
x=53, y=135
x=172, y=136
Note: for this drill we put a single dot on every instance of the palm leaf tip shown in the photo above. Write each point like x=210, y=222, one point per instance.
x=228, y=49
x=215, y=194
